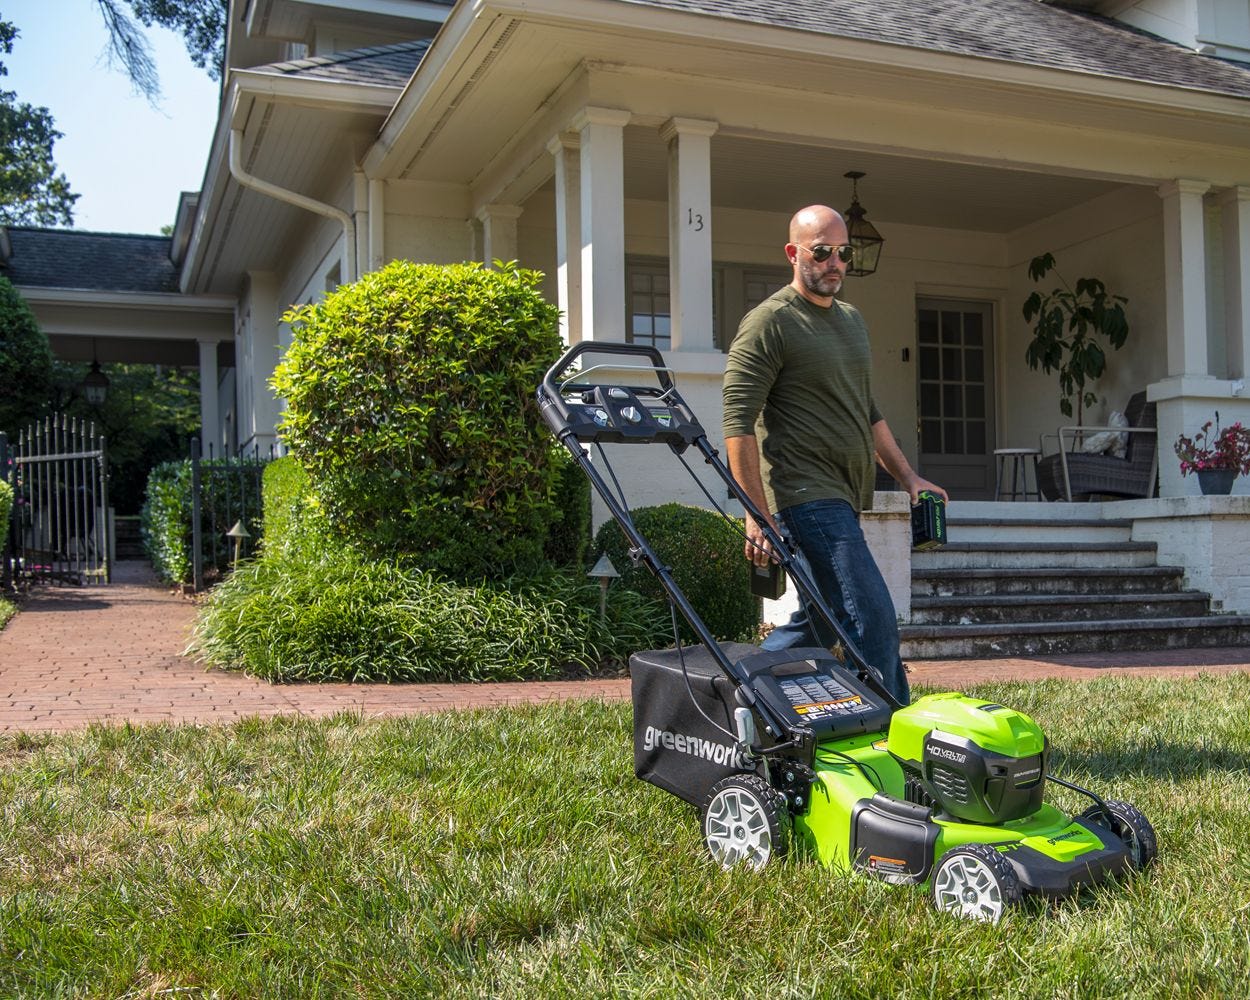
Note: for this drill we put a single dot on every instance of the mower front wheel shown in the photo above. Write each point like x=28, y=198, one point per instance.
x=1131, y=826
x=745, y=821
x=975, y=882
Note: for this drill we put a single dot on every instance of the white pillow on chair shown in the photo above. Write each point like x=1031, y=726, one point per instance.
x=1112, y=442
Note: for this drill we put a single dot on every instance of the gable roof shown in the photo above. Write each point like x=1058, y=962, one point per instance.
x=68, y=258
x=1018, y=31
x=377, y=65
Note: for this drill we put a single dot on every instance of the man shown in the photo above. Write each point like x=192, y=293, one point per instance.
x=800, y=370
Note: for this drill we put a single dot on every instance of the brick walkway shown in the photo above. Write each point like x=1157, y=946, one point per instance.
x=113, y=654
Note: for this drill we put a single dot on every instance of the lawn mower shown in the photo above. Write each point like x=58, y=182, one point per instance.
x=806, y=745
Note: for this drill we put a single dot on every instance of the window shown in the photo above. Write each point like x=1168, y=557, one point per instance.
x=735, y=291
x=650, y=321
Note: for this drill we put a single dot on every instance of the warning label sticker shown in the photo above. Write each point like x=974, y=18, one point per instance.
x=820, y=697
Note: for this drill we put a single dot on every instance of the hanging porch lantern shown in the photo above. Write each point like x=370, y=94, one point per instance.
x=861, y=233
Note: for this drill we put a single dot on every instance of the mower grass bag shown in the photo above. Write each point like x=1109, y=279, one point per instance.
x=807, y=748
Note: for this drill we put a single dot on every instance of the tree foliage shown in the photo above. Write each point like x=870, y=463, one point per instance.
x=31, y=191
x=147, y=417
x=1069, y=321
x=201, y=23
x=25, y=363
x=410, y=401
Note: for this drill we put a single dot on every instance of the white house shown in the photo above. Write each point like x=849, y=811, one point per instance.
x=647, y=155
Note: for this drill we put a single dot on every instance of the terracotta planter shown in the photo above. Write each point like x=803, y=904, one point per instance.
x=1216, y=482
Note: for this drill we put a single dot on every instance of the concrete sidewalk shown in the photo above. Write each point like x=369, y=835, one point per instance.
x=77, y=655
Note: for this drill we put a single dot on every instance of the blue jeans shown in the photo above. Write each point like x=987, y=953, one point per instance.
x=830, y=545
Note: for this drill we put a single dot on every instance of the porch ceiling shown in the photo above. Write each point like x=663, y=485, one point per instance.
x=947, y=141
x=773, y=176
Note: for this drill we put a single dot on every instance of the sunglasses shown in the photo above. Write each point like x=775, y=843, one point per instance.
x=821, y=252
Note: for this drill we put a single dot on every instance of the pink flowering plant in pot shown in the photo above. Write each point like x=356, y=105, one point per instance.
x=1225, y=449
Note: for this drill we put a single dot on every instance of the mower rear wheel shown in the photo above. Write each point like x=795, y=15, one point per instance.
x=745, y=821
x=975, y=882
x=1131, y=826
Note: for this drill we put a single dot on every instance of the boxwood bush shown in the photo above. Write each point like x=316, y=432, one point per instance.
x=410, y=402
x=704, y=553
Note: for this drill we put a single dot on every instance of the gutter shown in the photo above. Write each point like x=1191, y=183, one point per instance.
x=298, y=200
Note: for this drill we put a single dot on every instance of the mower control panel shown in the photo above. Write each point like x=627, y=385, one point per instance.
x=617, y=414
x=811, y=688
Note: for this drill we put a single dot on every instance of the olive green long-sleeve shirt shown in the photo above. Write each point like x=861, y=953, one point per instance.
x=799, y=378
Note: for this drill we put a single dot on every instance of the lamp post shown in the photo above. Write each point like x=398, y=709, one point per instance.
x=237, y=534
x=605, y=573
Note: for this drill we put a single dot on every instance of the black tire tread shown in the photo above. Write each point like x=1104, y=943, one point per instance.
x=1135, y=820
x=773, y=801
x=1009, y=882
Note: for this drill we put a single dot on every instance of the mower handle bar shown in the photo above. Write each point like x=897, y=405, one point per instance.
x=607, y=347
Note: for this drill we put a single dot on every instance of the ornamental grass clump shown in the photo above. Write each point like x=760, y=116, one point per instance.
x=1226, y=449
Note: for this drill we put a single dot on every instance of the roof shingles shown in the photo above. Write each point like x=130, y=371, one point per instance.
x=1020, y=31
x=68, y=258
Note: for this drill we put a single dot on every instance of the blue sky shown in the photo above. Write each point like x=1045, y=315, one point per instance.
x=127, y=160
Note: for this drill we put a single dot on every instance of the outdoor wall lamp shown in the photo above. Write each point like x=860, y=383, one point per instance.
x=861, y=233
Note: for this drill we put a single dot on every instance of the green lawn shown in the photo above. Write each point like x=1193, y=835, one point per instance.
x=513, y=854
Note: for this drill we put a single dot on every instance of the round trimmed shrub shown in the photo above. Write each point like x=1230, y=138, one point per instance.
x=410, y=402
x=704, y=553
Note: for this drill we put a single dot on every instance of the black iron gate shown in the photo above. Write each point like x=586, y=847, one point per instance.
x=60, y=520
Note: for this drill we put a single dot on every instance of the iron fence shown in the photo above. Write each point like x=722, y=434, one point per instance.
x=225, y=509
x=59, y=527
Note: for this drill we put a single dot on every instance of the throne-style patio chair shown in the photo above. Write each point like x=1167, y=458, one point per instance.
x=1072, y=474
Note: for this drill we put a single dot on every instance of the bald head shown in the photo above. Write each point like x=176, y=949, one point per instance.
x=818, y=281
x=809, y=223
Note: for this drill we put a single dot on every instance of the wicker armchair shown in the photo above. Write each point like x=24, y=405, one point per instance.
x=1074, y=475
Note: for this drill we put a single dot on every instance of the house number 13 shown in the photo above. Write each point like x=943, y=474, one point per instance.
x=694, y=220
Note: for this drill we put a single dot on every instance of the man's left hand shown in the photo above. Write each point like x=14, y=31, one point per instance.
x=916, y=486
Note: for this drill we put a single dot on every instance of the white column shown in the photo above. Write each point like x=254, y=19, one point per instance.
x=210, y=410
x=566, y=148
x=690, y=231
x=1235, y=208
x=258, y=424
x=1185, y=274
x=602, y=135
x=499, y=239
x=377, y=224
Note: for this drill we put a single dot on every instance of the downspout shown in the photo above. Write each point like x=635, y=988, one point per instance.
x=298, y=200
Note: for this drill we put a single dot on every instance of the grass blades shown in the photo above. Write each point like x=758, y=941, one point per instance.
x=512, y=853
x=342, y=618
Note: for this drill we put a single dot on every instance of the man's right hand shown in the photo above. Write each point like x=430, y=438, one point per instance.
x=758, y=550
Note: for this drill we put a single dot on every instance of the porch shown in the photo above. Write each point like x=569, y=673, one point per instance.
x=1025, y=579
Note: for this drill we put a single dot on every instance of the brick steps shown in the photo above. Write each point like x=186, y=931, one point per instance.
x=1025, y=586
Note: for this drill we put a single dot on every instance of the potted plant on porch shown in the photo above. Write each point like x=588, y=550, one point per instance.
x=1216, y=459
x=1068, y=321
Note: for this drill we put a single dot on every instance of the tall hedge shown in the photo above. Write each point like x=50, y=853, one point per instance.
x=294, y=524
x=410, y=402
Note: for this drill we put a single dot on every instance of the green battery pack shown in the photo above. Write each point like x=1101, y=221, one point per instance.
x=928, y=521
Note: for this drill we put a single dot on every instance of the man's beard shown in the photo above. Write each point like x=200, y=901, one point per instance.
x=826, y=285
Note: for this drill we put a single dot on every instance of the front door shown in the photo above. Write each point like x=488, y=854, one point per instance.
x=955, y=400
